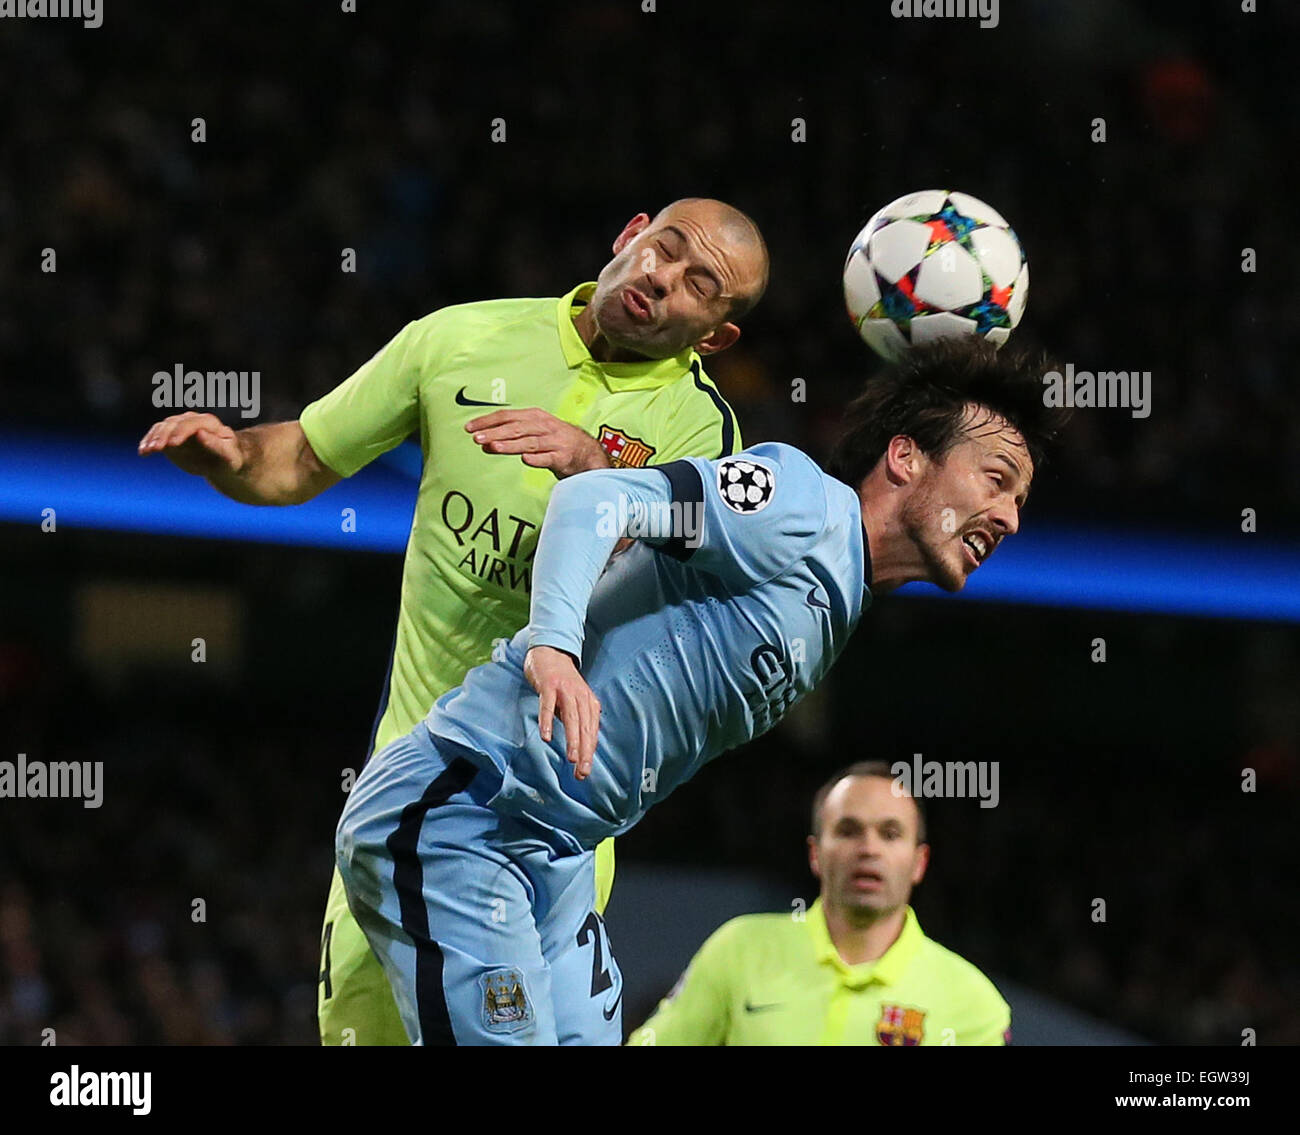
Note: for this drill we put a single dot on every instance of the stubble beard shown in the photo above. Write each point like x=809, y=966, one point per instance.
x=920, y=518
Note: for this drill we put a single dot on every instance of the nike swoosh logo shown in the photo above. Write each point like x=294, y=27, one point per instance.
x=815, y=602
x=609, y=1013
x=461, y=400
x=750, y=1007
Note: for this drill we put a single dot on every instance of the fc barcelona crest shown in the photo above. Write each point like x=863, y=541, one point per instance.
x=898, y=1026
x=624, y=452
x=505, y=1001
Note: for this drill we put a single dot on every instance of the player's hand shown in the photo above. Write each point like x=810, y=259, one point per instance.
x=560, y=688
x=540, y=439
x=197, y=443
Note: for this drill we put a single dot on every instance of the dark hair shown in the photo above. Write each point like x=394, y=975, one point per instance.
x=924, y=396
x=862, y=768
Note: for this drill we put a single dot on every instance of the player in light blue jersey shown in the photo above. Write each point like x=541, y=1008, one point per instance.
x=466, y=846
x=696, y=639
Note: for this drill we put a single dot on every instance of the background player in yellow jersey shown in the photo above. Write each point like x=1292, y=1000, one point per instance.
x=608, y=374
x=856, y=969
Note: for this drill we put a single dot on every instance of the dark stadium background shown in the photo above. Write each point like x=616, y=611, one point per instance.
x=1119, y=780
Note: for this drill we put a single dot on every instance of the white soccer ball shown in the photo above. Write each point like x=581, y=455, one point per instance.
x=931, y=265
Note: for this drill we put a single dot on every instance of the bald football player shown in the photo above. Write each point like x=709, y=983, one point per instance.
x=609, y=374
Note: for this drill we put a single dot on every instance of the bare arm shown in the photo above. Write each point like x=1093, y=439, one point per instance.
x=271, y=464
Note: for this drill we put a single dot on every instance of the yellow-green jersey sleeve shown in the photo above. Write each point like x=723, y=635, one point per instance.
x=377, y=408
x=965, y=1007
x=703, y=424
x=697, y=1011
x=989, y=1018
x=995, y=1033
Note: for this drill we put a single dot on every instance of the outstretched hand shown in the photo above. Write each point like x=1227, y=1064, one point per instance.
x=197, y=443
x=561, y=688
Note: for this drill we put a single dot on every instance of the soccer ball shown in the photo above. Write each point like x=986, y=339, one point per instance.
x=931, y=265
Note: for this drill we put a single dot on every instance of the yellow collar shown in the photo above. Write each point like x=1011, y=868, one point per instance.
x=886, y=969
x=650, y=372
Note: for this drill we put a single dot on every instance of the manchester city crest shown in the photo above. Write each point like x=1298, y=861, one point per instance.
x=505, y=1000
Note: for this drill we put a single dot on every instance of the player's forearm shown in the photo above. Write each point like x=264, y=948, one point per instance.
x=277, y=467
x=587, y=517
x=578, y=535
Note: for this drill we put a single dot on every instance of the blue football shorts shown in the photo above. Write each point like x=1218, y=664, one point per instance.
x=483, y=922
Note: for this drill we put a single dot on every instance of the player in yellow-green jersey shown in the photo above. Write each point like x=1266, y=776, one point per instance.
x=609, y=374
x=853, y=969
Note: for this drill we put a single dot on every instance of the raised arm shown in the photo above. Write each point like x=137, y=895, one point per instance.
x=587, y=517
x=366, y=415
x=742, y=518
x=270, y=464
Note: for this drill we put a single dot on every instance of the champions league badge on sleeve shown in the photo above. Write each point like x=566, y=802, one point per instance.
x=745, y=486
x=506, y=1007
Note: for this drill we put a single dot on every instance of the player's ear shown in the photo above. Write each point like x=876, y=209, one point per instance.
x=813, y=865
x=921, y=862
x=902, y=459
x=723, y=336
x=630, y=230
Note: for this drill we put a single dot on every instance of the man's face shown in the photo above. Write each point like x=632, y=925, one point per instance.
x=672, y=282
x=867, y=856
x=964, y=506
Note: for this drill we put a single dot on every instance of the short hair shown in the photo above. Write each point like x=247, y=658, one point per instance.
x=742, y=305
x=924, y=395
x=745, y=230
x=862, y=768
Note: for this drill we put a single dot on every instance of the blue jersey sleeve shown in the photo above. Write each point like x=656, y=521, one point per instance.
x=745, y=518
x=753, y=514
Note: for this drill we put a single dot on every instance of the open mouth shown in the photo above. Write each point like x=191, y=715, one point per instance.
x=636, y=305
x=868, y=880
x=978, y=547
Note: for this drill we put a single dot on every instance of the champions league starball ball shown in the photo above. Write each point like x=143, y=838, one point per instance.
x=931, y=265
